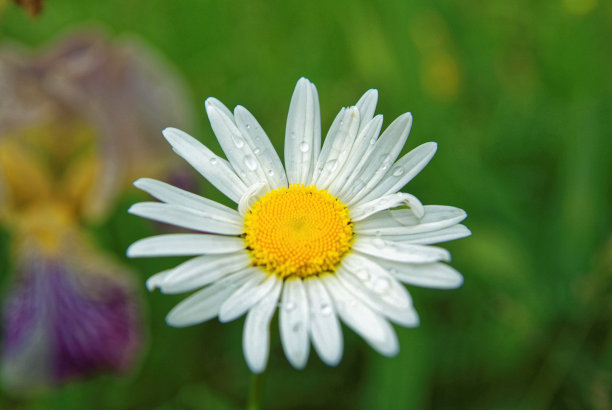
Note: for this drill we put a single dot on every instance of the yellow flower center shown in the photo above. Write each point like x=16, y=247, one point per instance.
x=300, y=230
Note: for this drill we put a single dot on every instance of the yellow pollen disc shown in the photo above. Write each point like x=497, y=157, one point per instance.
x=300, y=230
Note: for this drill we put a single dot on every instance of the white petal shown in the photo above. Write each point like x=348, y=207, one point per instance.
x=239, y=152
x=336, y=149
x=155, y=281
x=378, y=289
x=202, y=270
x=324, y=325
x=212, y=167
x=363, y=320
x=187, y=218
x=364, y=143
x=403, y=171
x=367, y=106
x=380, y=158
x=263, y=149
x=365, y=209
x=403, y=221
x=377, y=280
x=303, y=134
x=247, y=295
x=204, y=304
x=293, y=322
x=251, y=196
x=404, y=316
x=428, y=238
x=256, y=333
x=176, y=196
x=429, y=275
x=185, y=244
x=398, y=251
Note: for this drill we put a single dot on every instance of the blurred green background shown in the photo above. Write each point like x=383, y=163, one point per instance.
x=518, y=96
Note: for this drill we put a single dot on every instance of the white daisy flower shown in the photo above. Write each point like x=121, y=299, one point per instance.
x=326, y=238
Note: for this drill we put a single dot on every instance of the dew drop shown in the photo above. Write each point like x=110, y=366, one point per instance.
x=250, y=163
x=256, y=151
x=289, y=306
x=398, y=171
x=362, y=274
x=373, y=141
x=331, y=165
x=238, y=142
x=297, y=327
x=270, y=172
x=392, y=245
x=248, y=126
x=326, y=309
x=293, y=134
x=384, y=160
x=379, y=243
x=381, y=285
x=304, y=147
x=213, y=160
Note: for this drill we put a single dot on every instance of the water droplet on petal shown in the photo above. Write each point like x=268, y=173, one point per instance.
x=238, y=141
x=304, y=147
x=331, y=165
x=381, y=285
x=297, y=327
x=256, y=151
x=398, y=171
x=289, y=306
x=250, y=163
x=326, y=309
x=362, y=274
x=379, y=243
x=248, y=126
x=270, y=172
x=213, y=160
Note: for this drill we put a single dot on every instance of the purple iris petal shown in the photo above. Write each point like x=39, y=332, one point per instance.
x=61, y=324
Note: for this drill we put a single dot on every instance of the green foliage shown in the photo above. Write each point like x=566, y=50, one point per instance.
x=518, y=96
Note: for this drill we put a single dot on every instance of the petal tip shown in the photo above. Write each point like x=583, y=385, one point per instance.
x=211, y=101
x=139, y=182
x=303, y=81
x=172, y=134
x=132, y=209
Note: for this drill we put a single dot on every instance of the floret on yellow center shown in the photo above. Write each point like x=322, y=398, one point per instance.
x=299, y=230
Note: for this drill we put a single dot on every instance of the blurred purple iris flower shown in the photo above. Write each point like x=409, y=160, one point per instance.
x=77, y=123
x=64, y=320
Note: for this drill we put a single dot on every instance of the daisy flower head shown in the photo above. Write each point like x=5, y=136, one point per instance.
x=326, y=238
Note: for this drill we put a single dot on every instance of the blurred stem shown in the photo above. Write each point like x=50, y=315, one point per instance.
x=256, y=391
